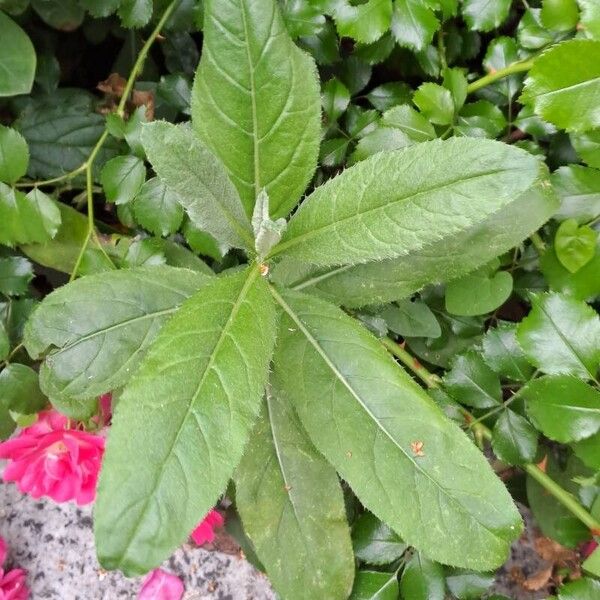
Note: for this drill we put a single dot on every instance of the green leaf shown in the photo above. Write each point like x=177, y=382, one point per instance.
x=4, y=342
x=472, y=382
x=157, y=208
x=122, y=177
x=14, y=154
x=591, y=564
x=27, y=218
x=587, y=146
x=335, y=99
x=413, y=24
x=320, y=363
x=422, y=579
x=467, y=585
x=503, y=354
x=255, y=91
x=302, y=18
x=411, y=319
x=478, y=293
x=556, y=521
x=480, y=119
x=19, y=389
x=267, y=232
x=365, y=23
x=502, y=52
x=135, y=13
x=197, y=176
x=65, y=15
x=560, y=15
x=17, y=60
x=61, y=138
x=514, y=439
x=575, y=246
x=15, y=274
x=373, y=585
x=292, y=506
x=563, y=85
x=563, y=408
x=118, y=315
x=560, y=336
x=451, y=256
x=374, y=542
x=393, y=203
x=61, y=252
x=588, y=451
x=388, y=95
x=485, y=15
x=578, y=188
x=196, y=397
x=582, y=589
x=435, y=102
x=100, y=8
x=590, y=17
x=531, y=34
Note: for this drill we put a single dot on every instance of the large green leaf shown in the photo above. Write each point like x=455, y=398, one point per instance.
x=96, y=329
x=399, y=202
x=17, y=59
x=563, y=85
x=563, y=408
x=292, y=508
x=453, y=255
x=197, y=176
x=256, y=102
x=406, y=462
x=180, y=426
x=560, y=336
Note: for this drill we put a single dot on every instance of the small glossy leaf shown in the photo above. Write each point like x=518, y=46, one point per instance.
x=15, y=274
x=196, y=396
x=388, y=95
x=468, y=585
x=503, y=354
x=453, y=255
x=588, y=451
x=302, y=17
x=17, y=61
x=578, y=188
x=320, y=362
x=478, y=293
x=502, y=52
x=100, y=8
x=414, y=24
x=396, y=202
x=563, y=408
x=157, y=208
x=20, y=390
x=480, y=119
x=119, y=313
x=135, y=13
x=122, y=177
x=374, y=585
x=196, y=175
x=587, y=146
x=484, y=15
x=292, y=506
x=560, y=15
x=591, y=564
x=14, y=154
x=27, y=218
x=582, y=589
x=374, y=542
x=65, y=15
x=335, y=99
x=256, y=102
x=365, y=22
x=4, y=342
x=590, y=17
x=560, y=336
x=564, y=85
x=575, y=246
x=435, y=102
x=411, y=319
x=422, y=579
x=470, y=381
x=514, y=439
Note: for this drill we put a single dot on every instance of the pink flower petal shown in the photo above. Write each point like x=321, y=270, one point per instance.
x=2, y=551
x=12, y=585
x=160, y=585
x=204, y=532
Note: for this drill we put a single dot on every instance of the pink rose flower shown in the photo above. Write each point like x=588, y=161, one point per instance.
x=160, y=585
x=12, y=583
x=50, y=459
x=204, y=532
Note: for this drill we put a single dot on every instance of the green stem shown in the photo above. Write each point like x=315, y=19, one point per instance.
x=518, y=67
x=433, y=381
x=538, y=242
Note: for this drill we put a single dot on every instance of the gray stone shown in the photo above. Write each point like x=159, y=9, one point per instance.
x=54, y=544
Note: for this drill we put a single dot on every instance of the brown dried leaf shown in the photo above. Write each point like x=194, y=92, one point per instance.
x=538, y=580
x=555, y=553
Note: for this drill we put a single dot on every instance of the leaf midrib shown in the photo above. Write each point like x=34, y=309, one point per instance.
x=347, y=385
x=253, y=273
x=334, y=224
